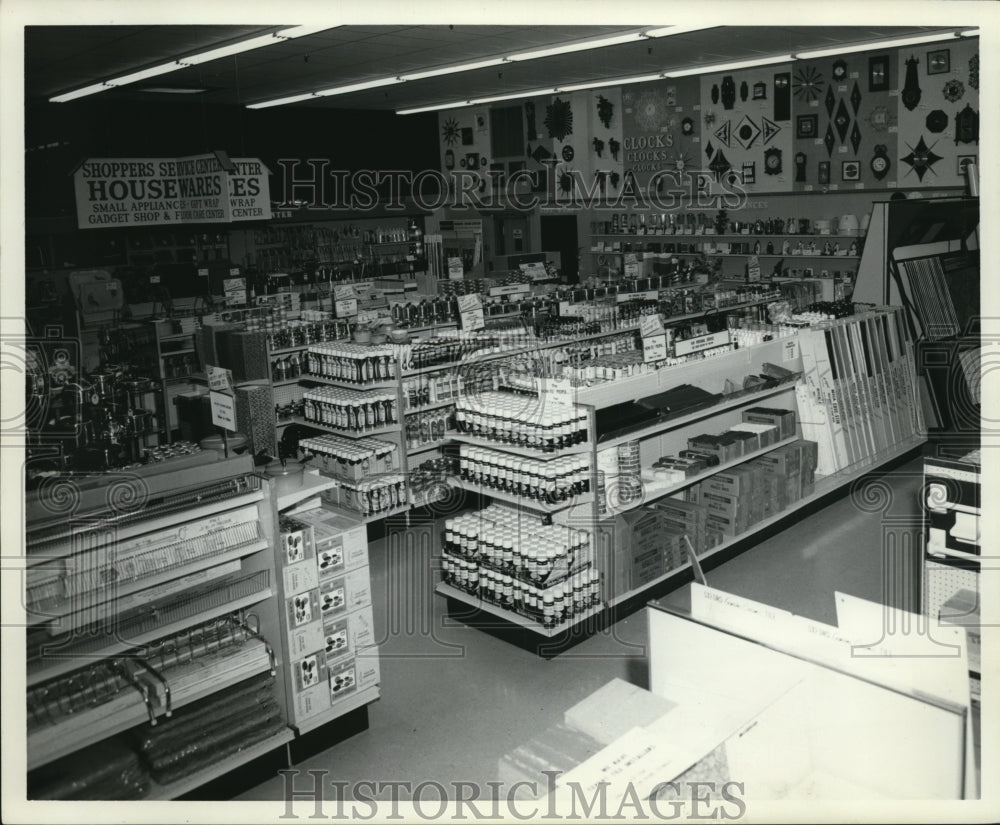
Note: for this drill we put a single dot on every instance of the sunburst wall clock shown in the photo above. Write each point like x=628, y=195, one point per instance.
x=559, y=119
x=450, y=131
x=807, y=83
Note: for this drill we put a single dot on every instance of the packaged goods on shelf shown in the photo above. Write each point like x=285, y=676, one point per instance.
x=351, y=459
x=370, y=496
x=351, y=363
x=425, y=428
x=109, y=770
x=553, y=481
x=350, y=410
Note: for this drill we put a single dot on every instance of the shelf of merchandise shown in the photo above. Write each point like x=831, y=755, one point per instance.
x=731, y=236
x=824, y=486
x=312, y=485
x=375, y=432
x=250, y=585
x=388, y=384
x=429, y=448
x=437, y=405
x=523, y=501
x=173, y=790
x=515, y=618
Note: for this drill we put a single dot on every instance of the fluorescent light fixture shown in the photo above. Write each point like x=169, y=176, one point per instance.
x=512, y=96
x=358, y=87
x=191, y=60
x=669, y=31
x=281, y=101
x=849, y=48
x=578, y=46
x=173, y=90
x=726, y=67
x=597, y=84
x=462, y=67
x=968, y=33
x=435, y=108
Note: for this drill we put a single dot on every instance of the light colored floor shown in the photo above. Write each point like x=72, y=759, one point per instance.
x=454, y=700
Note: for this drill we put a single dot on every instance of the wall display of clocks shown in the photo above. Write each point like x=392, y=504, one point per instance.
x=880, y=163
x=749, y=172
x=878, y=73
x=450, y=131
x=772, y=161
x=605, y=111
x=806, y=126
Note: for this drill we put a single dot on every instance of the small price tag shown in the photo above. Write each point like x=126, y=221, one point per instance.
x=834, y=187
x=346, y=308
x=154, y=279
x=202, y=272
x=234, y=271
x=344, y=292
x=814, y=104
x=842, y=150
x=859, y=186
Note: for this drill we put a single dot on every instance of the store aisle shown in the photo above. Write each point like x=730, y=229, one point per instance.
x=454, y=700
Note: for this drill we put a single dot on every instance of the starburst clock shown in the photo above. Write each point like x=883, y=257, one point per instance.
x=807, y=83
x=450, y=131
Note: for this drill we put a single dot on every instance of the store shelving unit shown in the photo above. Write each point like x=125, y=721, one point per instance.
x=132, y=577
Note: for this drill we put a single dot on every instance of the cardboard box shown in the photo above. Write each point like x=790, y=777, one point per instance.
x=345, y=593
x=339, y=543
x=345, y=634
x=783, y=419
x=310, y=680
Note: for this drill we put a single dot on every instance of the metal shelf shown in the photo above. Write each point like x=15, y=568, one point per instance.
x=386, y=384
x=523, y=501
x=372, y=433
x=515, y=618
x=438, y=405
x=526, y=452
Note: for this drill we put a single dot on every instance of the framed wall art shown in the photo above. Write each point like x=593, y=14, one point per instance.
x=850, y=170
x=806, y=126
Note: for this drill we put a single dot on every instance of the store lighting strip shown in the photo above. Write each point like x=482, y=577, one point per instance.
x=533, y=54
x=192, y=60
x=708, y=69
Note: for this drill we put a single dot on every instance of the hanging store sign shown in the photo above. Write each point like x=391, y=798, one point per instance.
x=163, y=191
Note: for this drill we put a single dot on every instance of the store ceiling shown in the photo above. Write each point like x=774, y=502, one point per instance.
x=62, y=58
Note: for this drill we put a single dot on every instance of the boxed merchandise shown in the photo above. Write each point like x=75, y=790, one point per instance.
x=305, y=623
x=344, y=593
x=355, y=673
x=636, y=544
x=784, y=420
x=684, y=516
x=348, y=633
x=766, y=433
x=748, y=442
x=297, y=555
x=686, y=466
x=310, y=679
x=706, y=459
x=339, y=543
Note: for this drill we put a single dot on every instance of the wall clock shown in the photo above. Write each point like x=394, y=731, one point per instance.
x=687, y=127
x=605, y=110
x=800, y=167
x=974, y=71
x=807, y=83
x=937, y=121
x=911, y=88
x=744, y=91
x=921, y=158
x=450, y=131
x=760, y=91
x=728, y=91
x=567, y=153
x=954, y=90
x=839, y=71
x=880, y=163
x=967, y=125
x=772, y=161
x=559, y=119
x=749, y=172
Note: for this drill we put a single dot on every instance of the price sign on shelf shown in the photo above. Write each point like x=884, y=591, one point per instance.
x=654, y=348
x=455, y=269
x=470, y=311
x=235, y=290
x=651, y=325
x=558, y=393
x=632, y=270
x=223, y=408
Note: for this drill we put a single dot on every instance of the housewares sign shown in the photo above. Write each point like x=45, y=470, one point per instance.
x=159, y=191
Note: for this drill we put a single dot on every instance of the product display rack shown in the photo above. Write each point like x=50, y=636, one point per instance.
x=186, y=579
x=659, y=438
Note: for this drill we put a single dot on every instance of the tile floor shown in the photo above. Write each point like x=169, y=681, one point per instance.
x=454, y=699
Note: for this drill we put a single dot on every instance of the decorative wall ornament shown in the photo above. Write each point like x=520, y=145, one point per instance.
x=954, y=90
x=829, y=139
x=715, y=93
x=709, y=150
x=687, y=127
x=974, y=71
x=772, y=161
x=921, y=158
x=749, y=171
x=720, y=165
x=855, y=137
x=880, y=118
x=605, y=111
x=824, y=171
x=850, y=170
x=939, y=61
x=613, y=147
x=911, y=87
x=744, y=91
x=770, y=129
x=856, y=97
x=760, y=91
x=728, y=92
x=967, y=125
x=842, y=120
x=722, y=134
x=839, y=71
x=598, y=146
x=830, y=101
x=651, y=108
x=567, y=153
x=807, y=83
x=806, y=126
x=559, y=119
x=800, y=167
x=747, y=132
x=880, y=163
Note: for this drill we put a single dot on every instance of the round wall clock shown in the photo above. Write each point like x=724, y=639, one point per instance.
x=687, y=126
x=880, y=163
x=937, y=121
x=568, y=153
x=839, y=71
x=772, y=161
x=954, y=90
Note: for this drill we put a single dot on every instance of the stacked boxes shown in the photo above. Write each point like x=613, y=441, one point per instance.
x=328, y=615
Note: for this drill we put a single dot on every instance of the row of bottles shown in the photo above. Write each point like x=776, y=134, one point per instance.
x=520, y=420
x=548, y=482
x=361, y=451
x=531, y=552
x=428, y=427
x=372, y=496
x=349, y=410
x=433, y=388
x=352, y=363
